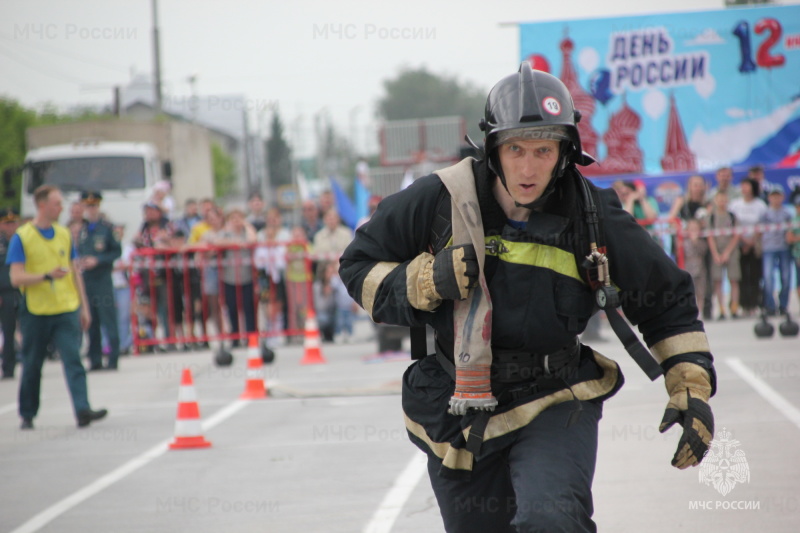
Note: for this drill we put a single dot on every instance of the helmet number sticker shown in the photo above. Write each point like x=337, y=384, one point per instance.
x=551, y=105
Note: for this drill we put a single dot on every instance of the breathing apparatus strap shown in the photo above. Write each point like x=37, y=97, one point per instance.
x=633, y=345
x=606, y=295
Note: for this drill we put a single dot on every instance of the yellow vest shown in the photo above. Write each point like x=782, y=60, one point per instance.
x=198, y=230
x=41, y=256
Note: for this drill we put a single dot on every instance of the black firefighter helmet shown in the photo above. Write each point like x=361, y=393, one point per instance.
x=533, y=99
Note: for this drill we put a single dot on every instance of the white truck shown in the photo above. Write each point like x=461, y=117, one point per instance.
x=122, y=160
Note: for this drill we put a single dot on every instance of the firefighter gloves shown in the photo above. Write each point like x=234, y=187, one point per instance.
x=449, y=275
x=455, y=271
x=689, y=388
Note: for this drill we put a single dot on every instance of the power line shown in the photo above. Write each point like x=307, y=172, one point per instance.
x=76, y=57
x=33, y=66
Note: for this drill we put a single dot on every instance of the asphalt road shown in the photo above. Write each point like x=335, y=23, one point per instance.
x=327, y=451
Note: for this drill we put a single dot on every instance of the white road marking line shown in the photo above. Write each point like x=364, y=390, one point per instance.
x=768, y=393
x=76, y=498
x=385, y=516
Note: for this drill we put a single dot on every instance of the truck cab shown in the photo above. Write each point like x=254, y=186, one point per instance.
x=124, y=172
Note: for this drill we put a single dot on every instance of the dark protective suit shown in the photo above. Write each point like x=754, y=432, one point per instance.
x=9, y=302
x=541, y=302
x=99, y=240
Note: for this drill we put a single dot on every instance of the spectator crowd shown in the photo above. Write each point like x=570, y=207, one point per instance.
x=194, y=272
x=736, y=262
x=204, y=272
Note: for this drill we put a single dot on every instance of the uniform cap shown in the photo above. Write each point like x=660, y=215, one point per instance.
x=91, y=197
x=9, y=214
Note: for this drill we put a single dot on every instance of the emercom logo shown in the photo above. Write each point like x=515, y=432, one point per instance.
x=724, y=465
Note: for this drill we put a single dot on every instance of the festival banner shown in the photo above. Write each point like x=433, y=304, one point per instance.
x=679, y=92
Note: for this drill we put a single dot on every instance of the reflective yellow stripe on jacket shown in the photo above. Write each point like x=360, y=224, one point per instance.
x=533, y=254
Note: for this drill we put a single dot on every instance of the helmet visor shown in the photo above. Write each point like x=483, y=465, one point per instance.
x=547, y=133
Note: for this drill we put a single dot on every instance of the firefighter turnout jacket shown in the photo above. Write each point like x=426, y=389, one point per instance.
x=541, y=301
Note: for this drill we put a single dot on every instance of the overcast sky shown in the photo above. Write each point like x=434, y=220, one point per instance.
x=306, y=57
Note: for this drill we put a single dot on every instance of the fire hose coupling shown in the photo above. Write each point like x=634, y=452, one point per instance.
x=473, y=390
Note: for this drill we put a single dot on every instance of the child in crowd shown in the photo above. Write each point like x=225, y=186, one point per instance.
x=171, y=300
x=325, y=300
x=695, y=249
x=777, y=255
x=298, y=276
x=793, y=238
x=724, y=254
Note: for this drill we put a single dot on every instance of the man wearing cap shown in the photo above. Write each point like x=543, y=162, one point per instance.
x=9, y=295
x=54, y=309
x=98, y=248
x=776, y=253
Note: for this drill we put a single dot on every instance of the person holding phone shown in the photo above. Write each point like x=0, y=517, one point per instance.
x=54, y=308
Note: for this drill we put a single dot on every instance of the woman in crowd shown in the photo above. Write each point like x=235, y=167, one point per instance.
x=748, y=211
x=210, y=282
x=237, y=272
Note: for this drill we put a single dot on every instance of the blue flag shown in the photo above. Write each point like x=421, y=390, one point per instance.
x=347, y=211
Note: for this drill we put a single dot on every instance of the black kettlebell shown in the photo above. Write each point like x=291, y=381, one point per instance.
x=789, y=327
x=764, y=329
x=223, y=357
x=267, y=354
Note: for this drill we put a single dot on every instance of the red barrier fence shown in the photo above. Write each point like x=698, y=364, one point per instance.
x=202, y=294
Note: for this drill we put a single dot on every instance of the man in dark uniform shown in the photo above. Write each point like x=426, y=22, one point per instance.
x=507, y=257
x=98, y=248
x=9, y=295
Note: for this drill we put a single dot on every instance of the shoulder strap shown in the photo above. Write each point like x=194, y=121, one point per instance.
x=608, y=294
x=441, y=228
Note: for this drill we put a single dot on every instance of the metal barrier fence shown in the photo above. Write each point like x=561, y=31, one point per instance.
x=179, y=295
x=203, y=294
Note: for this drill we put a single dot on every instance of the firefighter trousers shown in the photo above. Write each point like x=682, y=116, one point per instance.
x=542, y=482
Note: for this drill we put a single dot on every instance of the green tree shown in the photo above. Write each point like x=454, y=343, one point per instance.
x=14, y=120
x=417, y=93
x=279, y=155
x=224, y=171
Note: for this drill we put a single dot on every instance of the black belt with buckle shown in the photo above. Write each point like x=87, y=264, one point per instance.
x=515, y=366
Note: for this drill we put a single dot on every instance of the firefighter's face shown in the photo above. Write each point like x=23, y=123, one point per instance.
x=528, y=167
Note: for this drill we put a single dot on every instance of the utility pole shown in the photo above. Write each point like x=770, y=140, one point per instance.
x=157, y=59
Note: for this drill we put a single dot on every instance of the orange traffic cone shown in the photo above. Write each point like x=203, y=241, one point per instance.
x=254, y=387
x=188, y=431
x=313, y=354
